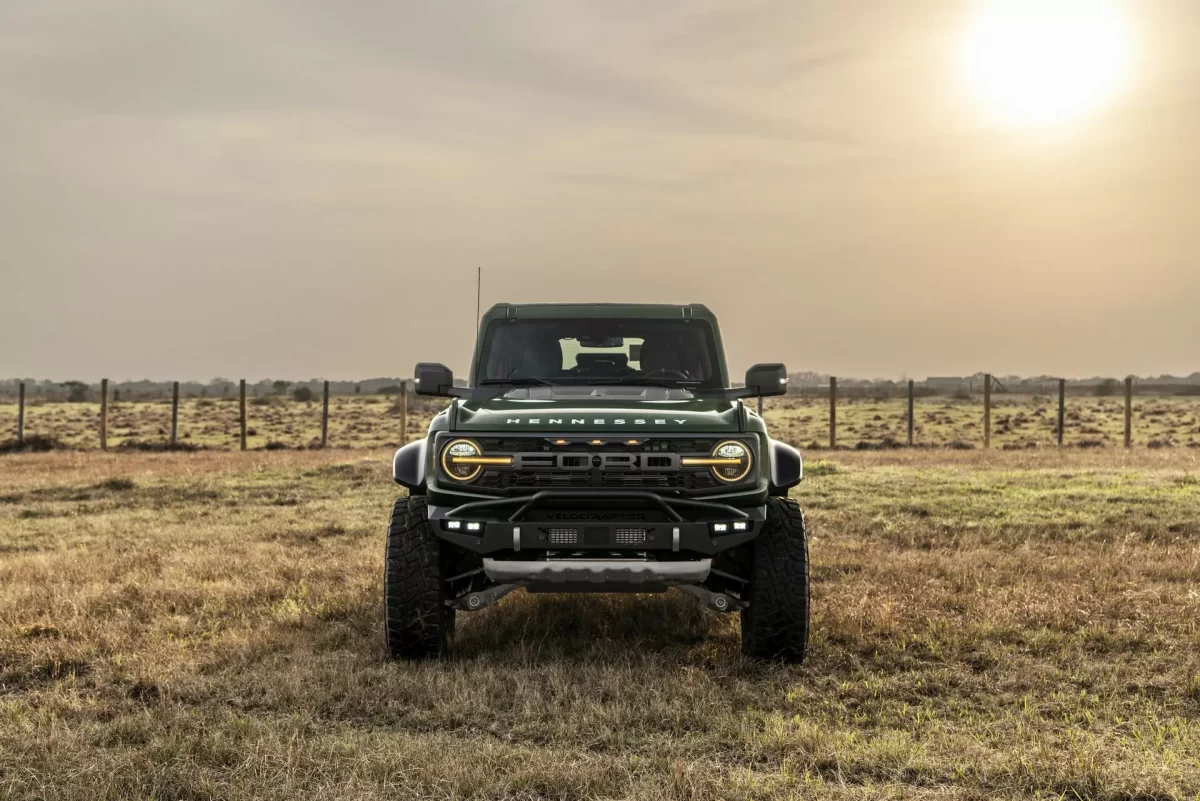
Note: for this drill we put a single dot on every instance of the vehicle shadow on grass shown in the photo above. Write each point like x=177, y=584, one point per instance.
x=532, y=662
x=595, y=627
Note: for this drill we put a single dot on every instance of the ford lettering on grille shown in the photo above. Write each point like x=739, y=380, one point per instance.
x=603, y=462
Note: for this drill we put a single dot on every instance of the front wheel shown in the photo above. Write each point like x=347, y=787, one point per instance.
x=775, y=624
x=417, y=622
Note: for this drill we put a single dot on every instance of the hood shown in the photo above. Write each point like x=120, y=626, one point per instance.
x=597, y=415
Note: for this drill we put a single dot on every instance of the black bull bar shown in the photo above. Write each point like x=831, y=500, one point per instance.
x=529, y=502
x=489, y=527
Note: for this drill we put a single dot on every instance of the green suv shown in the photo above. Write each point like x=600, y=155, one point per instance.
x=598, y=448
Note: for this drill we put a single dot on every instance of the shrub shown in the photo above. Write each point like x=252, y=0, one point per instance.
x=76, y=391
x=302, y=394
x=33, y=444
x=1107, y=388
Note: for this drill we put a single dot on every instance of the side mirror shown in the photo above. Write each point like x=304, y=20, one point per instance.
x=766, y=379
x=434, y=379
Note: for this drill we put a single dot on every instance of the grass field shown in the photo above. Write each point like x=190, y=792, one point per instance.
x=194, y=626
x=1018, y=421
x=370, y=421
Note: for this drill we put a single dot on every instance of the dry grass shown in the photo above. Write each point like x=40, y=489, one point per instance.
x=1018, y=421
x=368, y=421
x=986, y=625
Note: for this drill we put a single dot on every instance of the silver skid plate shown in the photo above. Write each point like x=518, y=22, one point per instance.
x=596, y=571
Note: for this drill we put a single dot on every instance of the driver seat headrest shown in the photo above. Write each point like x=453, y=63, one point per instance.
x=659, y=354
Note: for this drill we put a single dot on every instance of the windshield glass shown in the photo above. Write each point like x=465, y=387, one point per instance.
x=673, y=352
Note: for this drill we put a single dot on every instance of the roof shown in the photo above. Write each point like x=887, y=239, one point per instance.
x=577, y=310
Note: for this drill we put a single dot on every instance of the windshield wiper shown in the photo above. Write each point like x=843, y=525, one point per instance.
x=517, y=382
x=669, y=383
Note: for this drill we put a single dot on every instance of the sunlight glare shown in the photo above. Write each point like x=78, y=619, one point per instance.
x=1041, y=62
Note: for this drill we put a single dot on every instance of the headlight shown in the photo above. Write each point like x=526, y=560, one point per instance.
x=463, y=460
x=730, y=461
x=734, y=461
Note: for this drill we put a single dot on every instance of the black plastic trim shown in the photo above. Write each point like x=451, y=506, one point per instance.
x=408, y=466
x=787, y=467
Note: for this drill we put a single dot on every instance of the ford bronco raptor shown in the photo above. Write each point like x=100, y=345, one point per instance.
x=598, y=448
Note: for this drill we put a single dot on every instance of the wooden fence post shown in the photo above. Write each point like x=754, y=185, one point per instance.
x=987, y=410
x=174, y=413
x=403, y=402
x=242, y=410
x=103, y=414
x=911, y=404
x=1062, y=408
x=21, y=414
x=325, y=416
x=832, y=412
x=1129, y=411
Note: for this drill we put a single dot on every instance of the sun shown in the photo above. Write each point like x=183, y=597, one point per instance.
x=1043, y=62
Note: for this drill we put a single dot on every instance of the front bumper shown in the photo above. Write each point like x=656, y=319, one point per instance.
x=623, y=521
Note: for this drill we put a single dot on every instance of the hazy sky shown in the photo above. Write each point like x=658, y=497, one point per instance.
x=305, y=188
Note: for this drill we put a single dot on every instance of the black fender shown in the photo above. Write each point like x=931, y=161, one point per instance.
x=787, y=467
x=408, y=467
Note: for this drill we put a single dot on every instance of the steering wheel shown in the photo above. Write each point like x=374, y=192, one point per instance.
x=663, y=372
x=596, y=367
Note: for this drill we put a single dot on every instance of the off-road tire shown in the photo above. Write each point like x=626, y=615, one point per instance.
x=775, y=624
x=417, y=623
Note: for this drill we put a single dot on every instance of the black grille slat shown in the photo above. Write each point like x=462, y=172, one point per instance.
x=495, y=479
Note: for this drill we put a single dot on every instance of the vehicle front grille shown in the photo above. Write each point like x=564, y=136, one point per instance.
x=550, y=462
x=495, y=479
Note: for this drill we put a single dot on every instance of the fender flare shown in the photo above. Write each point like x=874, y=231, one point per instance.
x=787, y=467
x=408, y=467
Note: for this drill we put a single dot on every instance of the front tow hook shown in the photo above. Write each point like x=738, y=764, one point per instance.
x=474, y=601
x=718, y=601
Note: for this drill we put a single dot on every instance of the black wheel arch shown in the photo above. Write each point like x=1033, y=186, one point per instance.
x=408, y=467
x=787, y=468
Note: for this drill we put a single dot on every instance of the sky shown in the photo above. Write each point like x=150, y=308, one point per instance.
x=306, y=189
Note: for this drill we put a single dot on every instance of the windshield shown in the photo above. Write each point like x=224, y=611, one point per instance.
x=600, y=351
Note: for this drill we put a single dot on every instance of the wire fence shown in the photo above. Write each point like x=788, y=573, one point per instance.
x=904, y=415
